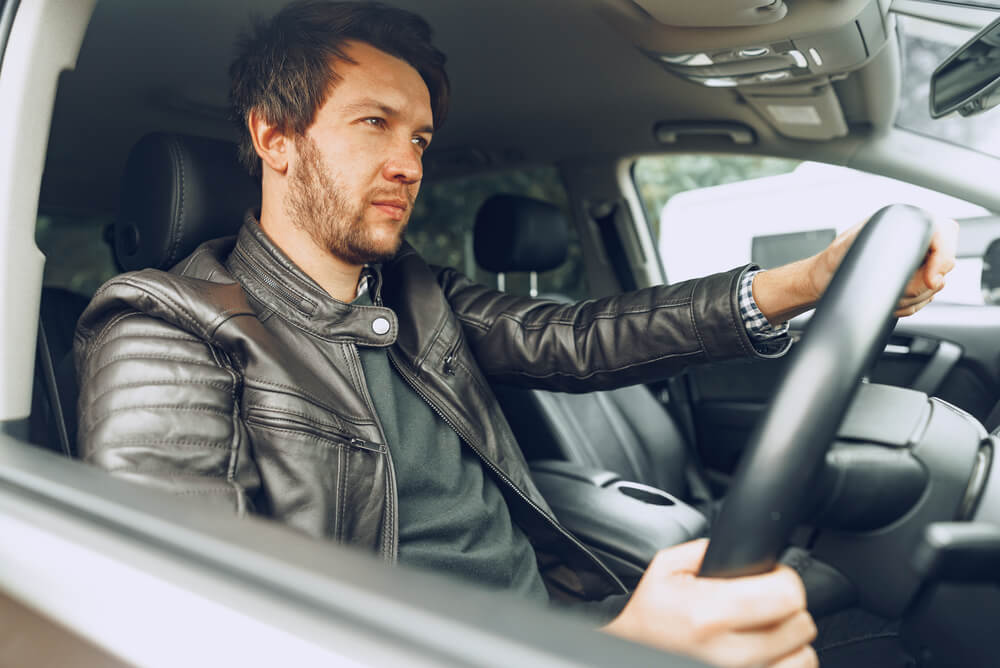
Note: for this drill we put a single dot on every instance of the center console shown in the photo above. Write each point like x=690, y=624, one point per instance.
x=624, y=523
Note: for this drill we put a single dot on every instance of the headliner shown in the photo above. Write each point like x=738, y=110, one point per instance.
x=532, y=82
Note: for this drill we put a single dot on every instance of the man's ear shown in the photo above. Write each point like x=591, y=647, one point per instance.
x=270, y=143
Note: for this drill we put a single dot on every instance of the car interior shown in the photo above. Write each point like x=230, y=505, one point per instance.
x=585, y=139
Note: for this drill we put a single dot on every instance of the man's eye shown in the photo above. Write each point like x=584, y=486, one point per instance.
x=374, y=121
x=420, y=141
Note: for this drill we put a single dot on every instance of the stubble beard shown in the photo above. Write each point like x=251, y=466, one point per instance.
x=316, y=203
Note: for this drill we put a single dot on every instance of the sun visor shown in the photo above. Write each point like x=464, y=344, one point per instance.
x=814, y=114
x=714, y=13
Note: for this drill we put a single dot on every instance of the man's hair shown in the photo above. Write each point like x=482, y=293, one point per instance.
x=285, y=67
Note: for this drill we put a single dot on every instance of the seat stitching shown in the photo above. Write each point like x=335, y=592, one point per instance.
x=176, y=231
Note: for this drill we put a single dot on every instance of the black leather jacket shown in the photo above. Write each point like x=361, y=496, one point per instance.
x=236, y=378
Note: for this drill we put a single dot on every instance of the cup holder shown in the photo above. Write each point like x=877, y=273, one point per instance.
x=646, y=494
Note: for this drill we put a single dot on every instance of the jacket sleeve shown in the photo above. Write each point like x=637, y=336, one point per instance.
x=159, y=406
x=635, y=337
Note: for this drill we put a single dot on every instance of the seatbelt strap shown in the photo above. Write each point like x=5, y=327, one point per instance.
x=57, y=417
x=680, y=408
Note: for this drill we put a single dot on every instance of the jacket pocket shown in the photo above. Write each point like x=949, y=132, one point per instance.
x=282, y=421
x=318, y=479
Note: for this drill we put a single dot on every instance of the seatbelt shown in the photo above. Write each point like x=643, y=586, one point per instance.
x=57, y=415
x=679, y=406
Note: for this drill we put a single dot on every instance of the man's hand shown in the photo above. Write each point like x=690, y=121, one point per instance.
x=924, y=284
x=759, y=620
x=785, y=292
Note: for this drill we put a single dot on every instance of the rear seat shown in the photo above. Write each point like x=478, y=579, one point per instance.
x=626, y=431
x=177, y=191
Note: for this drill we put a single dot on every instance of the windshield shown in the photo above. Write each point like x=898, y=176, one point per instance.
x=925, y=45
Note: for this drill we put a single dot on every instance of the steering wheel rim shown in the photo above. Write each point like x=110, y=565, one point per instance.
x=772, y=483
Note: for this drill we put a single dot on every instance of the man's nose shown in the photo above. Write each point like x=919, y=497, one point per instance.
x=404, y=165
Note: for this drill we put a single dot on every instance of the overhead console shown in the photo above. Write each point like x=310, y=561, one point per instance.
x=715, y=13
x=834, y=51
x=781, y=59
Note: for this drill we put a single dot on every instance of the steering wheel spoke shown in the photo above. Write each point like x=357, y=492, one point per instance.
x=773, y=485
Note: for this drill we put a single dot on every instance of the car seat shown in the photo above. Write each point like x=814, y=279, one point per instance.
x=626, y=431
x=177, y=191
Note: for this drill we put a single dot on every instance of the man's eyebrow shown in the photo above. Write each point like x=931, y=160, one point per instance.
x=370, y=103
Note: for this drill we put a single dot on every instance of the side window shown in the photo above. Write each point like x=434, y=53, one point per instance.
x=445, y=214
x=77, y=258
x=712, y=213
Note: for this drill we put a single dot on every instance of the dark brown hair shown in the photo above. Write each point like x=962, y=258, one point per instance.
x=284, y=67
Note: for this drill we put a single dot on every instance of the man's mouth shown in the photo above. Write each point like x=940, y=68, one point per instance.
x=395, y=209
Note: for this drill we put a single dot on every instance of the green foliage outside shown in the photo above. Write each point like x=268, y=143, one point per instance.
x=658, y=178
x=77, y=257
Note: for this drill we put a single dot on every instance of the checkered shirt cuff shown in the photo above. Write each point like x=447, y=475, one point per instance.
x=762, y=334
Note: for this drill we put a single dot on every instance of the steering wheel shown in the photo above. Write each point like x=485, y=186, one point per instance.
x=772, y=485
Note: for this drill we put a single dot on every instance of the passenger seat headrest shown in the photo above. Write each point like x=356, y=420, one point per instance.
x=177, y=192
x=516, y=233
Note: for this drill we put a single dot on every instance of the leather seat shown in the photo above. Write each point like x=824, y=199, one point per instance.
x=626, y=431
x=177, y=191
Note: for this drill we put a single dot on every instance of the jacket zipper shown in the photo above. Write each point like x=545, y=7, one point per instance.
x=311, y=429
x=448, y=365
x=291, y=298
x=503, y=476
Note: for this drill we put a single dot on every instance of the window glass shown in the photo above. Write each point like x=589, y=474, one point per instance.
x=445, y=214
x=713, y=213
x=76, y=256
x=925, y=45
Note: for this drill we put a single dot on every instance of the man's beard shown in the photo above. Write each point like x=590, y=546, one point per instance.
x=316, y=204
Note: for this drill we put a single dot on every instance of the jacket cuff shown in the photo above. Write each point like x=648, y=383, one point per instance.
x=718, y=323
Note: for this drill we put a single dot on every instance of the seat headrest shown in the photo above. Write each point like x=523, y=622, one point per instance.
x=177, y=192
x=516, y=233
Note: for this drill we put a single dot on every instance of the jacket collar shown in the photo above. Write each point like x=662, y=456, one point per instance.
x=271, y=277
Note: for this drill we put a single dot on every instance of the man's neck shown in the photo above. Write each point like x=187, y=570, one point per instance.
x=338, y=278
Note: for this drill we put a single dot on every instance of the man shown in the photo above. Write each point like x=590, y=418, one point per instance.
x=315, y=370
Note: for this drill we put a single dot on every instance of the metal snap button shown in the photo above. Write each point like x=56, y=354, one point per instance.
x=380, y=325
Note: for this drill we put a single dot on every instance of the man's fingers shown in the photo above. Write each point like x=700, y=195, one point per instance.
x=804, y=658
x=941, y=253
x=913, y=308
x=916, y=299
x=778, y=643
x=751, y=602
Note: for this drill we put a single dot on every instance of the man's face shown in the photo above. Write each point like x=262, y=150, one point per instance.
x=356, y=171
